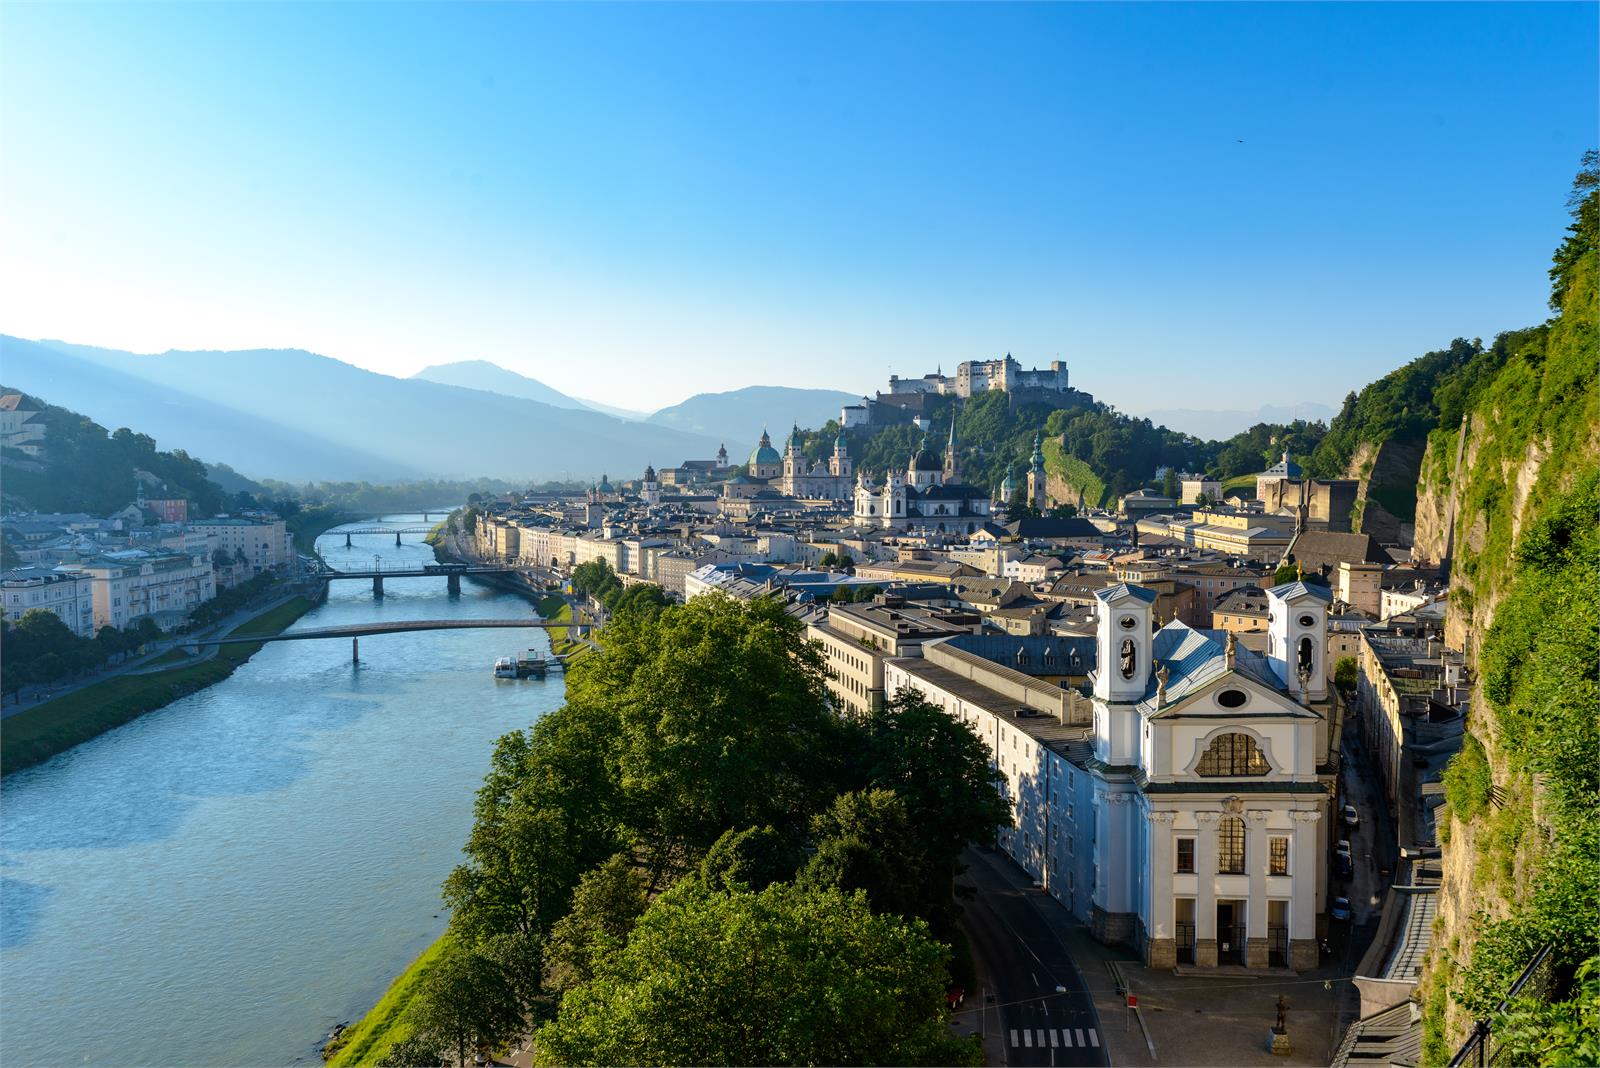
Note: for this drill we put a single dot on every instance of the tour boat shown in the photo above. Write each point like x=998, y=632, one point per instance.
x=505, y=668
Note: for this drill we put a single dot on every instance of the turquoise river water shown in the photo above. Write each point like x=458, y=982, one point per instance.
x=220, y=881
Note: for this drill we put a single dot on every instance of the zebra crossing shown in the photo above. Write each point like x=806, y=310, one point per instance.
x=1054, y=1037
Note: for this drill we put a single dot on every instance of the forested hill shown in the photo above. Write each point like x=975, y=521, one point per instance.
x=1509, y=492
x=1093, y=452
x=86, y=469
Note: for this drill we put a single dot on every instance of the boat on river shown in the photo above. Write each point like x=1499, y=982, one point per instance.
x=531, y=664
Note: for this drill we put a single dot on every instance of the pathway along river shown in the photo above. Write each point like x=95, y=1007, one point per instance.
x=220, y=881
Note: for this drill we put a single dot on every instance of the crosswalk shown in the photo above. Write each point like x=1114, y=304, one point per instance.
x=1054, y=1037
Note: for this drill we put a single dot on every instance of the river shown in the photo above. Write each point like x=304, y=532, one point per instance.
x=220, y=881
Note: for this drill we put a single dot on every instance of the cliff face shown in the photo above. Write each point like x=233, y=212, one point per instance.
x=1386, y=499
x=1506, y=498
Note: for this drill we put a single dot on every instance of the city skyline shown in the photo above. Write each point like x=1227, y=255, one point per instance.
x=1298, y=197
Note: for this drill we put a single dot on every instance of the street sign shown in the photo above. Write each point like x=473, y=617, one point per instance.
x=1133, y=1001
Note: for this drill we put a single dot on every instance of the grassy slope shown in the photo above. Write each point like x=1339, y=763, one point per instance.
x=306, y=527
x=370, y=1037
x=43, y=731
x=1074, y=472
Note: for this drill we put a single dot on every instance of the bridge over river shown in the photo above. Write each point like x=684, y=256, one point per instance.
x=451, y=572
x=356, y=631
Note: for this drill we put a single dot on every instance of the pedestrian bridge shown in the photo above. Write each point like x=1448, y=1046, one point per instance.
x=396, y=531
x=356, y=631
x=404, y=626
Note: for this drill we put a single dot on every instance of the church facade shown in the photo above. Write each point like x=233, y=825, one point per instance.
x=1184, y=807
x=928, y=496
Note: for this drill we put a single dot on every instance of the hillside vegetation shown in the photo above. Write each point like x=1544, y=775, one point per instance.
x=1522, y=859
x=86, y=469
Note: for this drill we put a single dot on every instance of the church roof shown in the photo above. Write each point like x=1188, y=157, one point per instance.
x=1284, y=468
x=1196, y=658
x=924, y=460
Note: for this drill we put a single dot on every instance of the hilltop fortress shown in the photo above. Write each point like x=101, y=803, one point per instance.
x=904, y=401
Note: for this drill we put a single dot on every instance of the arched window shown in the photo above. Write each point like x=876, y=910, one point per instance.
x=1232, y=754
x=1230, y=845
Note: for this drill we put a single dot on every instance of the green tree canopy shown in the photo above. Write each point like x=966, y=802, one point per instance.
x=604, y=907
x=783, y=976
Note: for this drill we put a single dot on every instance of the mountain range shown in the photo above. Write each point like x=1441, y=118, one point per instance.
x=298, y=416
x=295, y=415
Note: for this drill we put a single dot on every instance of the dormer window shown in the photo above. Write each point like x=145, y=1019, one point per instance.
x=1232, y=754
x=1022, y=657
x=1049, y=657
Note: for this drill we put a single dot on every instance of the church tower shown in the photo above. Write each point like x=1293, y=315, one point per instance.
x=722, y=455
x=839, y=463
x=952, y=470
x=793, y=463
x=650, y=490
x=1036, y=478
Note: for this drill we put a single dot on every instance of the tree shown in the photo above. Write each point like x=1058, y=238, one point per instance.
x=418, y=1051
x=722, y=717
x=828, y=560
x=751, y=859
x=8, y=555
x=1169, y=484
x=940, y=771
x=464, y=1001
x=1287, y=572
x=783, y=976
x=866, y=841
x=1344, y=673
x=1203, y=500
x=604, y=907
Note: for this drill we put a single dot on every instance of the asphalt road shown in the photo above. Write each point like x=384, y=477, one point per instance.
x=1033, y=1005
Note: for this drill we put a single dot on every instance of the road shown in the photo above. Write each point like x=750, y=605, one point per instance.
x=1040, y=1012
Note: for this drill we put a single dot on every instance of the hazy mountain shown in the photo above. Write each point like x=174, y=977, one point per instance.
x=179, y=419
x=481, y=374
x=620, y=413
x=737, y=417
x=1222, y=424
x=296, y=415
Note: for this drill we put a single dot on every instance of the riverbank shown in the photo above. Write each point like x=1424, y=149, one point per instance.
x=39, y=733
x=369, y=1038
x=305, y=527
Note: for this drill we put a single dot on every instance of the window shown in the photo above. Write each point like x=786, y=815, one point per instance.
x=1230, y=846
x=1185, y=861
x=1279, y=857
x=1232, y=754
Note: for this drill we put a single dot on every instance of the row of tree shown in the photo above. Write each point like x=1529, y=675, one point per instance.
x=695, y=860
x=42, y=650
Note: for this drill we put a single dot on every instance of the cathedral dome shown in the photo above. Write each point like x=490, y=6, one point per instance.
x=926, y=461
x=764, y=453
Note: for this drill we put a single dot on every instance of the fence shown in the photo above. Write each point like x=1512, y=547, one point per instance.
x=1481, y=1049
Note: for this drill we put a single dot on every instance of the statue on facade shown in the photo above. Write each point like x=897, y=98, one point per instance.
x=1126, y=662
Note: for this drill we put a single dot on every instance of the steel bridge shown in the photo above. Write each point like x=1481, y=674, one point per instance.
x=451, y=572
x=396, y=531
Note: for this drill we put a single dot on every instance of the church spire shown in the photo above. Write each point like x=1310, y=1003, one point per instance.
x=952, y=471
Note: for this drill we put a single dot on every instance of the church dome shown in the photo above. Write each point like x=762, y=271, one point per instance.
x=764, y=452
x=926, y=461
x=649, y=473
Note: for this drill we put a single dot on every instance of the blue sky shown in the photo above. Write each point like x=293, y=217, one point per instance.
x=1195, y=206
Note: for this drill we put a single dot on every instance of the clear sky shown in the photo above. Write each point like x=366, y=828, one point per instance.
x=1195, y=206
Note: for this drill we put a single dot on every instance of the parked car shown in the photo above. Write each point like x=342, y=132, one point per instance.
x=1342, y=847
x=1343, y=866
x=1351, y=817
x=1340, y=909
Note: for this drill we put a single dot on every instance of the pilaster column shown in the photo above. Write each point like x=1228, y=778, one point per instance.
x=1256, y=860
x=1161, y=946
x=1305, y=861
x=1205, y=902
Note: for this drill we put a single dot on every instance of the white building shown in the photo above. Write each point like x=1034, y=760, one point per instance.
x=1189, y=818
x=19, y=428
x=69, y=595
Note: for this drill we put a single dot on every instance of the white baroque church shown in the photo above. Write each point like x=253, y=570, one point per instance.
x=1186, y=811
x=929, y=496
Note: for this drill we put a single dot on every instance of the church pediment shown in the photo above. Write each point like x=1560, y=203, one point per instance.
x=1232, y=695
